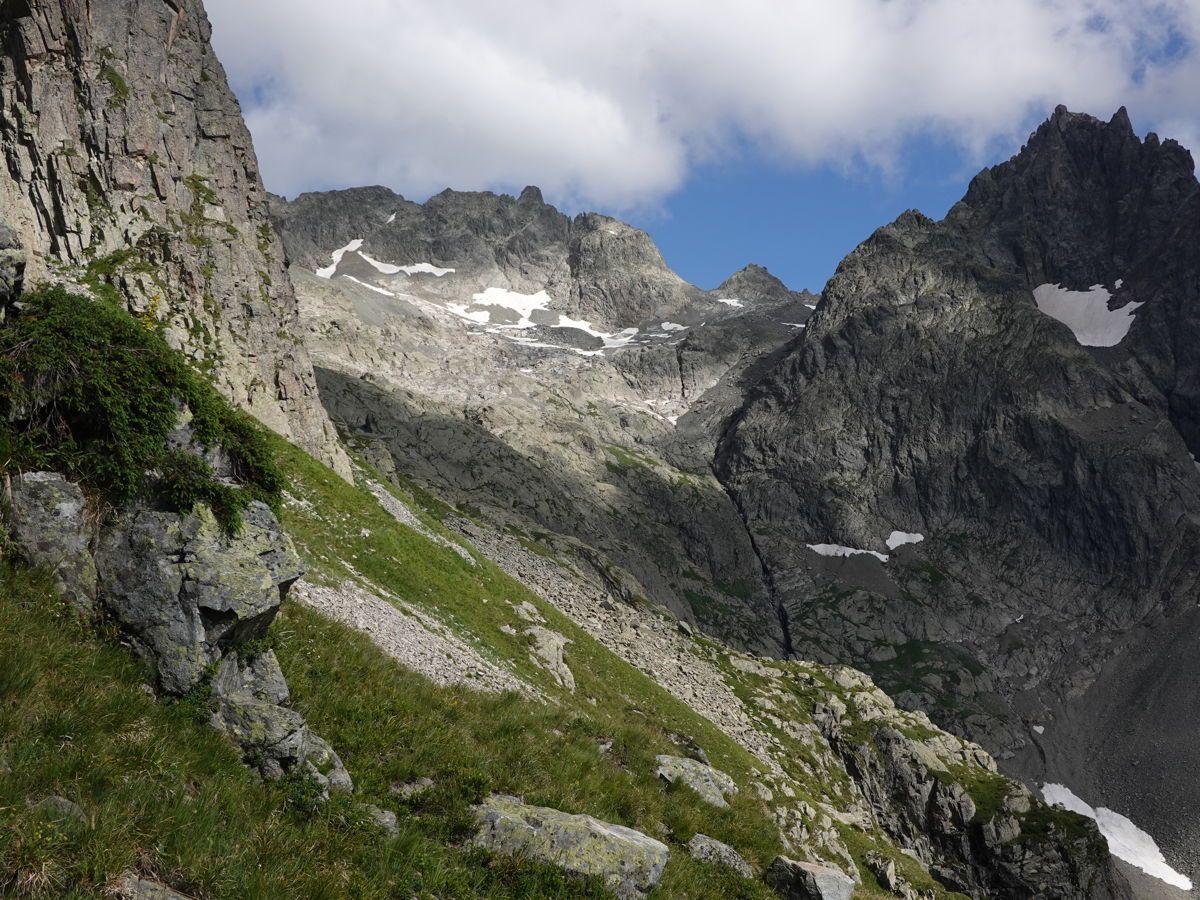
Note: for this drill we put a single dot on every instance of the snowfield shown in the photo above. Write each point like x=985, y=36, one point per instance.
x=1086, y=313
x=839, y=550
x=900, y=538
x=1125, y=840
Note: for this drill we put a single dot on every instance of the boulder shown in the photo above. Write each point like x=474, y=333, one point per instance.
x=711, y=784
x=807, y=881
x=383, y=819
x=628, y=862
x=547, y=652
x=46, y=521
x=183, y=591
x=249, y=700
x=710, y=850
x=133, y=887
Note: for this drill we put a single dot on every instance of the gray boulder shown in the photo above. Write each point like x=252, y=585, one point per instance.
x=45, y=520
x=629, y=862
x=249, y=699
x=383, y=819
x=710, y=850
x=547, y=652
x=711, y=784
x=808, y=881
x=183, y=591
x=133, y=887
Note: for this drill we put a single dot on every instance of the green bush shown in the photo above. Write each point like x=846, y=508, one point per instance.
x=88, y=390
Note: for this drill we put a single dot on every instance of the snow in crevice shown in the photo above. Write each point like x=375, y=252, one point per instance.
x=337, y=255
x=1040, y=729
x=839, y=550
x=900, y=538
x=731, y=301
x=794, y=324
x=414, y=269
x=1086, y=313
x=391, y=219
x=1125, y=840
x=672, y=326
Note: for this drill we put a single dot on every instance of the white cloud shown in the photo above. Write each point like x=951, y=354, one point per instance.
x=613, y=103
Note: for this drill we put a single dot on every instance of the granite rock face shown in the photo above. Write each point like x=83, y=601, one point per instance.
x=184, y=592
x=46, y=519
x=808, y=881
x=127, y=164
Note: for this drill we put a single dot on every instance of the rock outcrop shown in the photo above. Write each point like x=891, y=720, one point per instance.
x=46, y=517
x=808, y=881
x=628, y=862
x=712, y=785
x=184, y=592
x=127, y=167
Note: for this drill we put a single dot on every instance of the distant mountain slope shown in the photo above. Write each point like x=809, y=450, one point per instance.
x=454, y=333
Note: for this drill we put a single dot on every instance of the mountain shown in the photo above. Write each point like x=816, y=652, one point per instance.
x=127, y=166
x=1045, y=468
x=453, y=333
x=564, y=605
x=969, y=473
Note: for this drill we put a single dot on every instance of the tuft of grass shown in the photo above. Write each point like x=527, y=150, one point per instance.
x=117, y=83
x=88, y=390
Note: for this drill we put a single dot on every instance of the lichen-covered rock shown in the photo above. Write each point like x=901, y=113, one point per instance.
x=711, y=784
x=710, y=850
x=629, y=862
x=183, y=591
x=249, y=699
x=808, y=881
x=124, y=150
x=46, y=521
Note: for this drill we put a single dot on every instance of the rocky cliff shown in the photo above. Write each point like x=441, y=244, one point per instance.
x=962, y=484
x=127, y=167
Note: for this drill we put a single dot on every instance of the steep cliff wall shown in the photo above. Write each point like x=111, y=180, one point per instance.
x=127, y=166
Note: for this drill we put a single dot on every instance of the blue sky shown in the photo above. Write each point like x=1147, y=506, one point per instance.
x=781, y=136
x=797, y=221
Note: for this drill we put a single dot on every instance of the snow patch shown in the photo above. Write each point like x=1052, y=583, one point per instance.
x=1040, y=729
x=1086, y=313
x=839, y=550
x=522, y=304
x=794, y=324
x=337, y=255
x=479, y=316
x=1125, y=840
x=391, y=219
x=811, y=305
x=731, y=301
x=900, y=538
x=369, y=287
x=414, y=269
x=672, y=326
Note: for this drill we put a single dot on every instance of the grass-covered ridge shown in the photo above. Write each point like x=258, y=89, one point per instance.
x=89, y=390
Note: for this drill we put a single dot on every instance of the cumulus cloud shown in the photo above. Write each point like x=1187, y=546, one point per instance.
x=613, y=104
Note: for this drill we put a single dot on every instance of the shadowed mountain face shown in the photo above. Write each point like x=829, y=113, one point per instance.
x=1051, y=482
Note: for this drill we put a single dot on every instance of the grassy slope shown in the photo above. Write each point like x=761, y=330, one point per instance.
x=167, y=795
